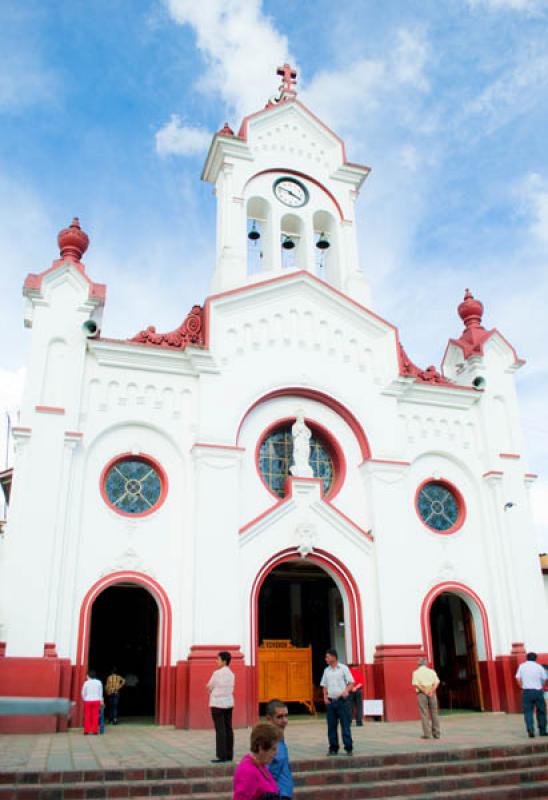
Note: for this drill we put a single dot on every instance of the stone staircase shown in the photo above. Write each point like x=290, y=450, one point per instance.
x=504, y=773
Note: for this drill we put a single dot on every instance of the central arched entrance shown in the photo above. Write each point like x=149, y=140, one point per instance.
x=455, y=653
x=123, y=635
x=304, y=603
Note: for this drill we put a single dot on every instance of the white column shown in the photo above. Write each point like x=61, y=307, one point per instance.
x=218, y=616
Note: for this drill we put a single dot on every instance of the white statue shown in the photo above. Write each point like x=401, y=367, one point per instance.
x=301, y=434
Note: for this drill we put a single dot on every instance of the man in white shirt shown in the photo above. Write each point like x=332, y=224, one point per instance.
x=337, y=684
x=426, y=681
x=530, y=678
x=92, y=695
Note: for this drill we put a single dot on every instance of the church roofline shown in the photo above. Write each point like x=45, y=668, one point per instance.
x=236, y=145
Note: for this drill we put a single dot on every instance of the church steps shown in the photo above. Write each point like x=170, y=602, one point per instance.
x=502, y=772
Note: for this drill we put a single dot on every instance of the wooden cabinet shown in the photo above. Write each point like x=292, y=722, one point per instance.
x=285, y=673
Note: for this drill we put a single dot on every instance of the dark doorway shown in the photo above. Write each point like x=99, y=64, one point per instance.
x=455, y=653
x=124, y=630
x=301, y=603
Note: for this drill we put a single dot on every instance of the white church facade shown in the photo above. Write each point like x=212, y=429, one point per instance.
x=274, y=469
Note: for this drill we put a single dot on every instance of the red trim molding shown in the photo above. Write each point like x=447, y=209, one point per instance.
x=304, y=176
x=49, y=410
x=459, y=589
x=137, y=457
x=164, y=709
x=345, y=582
x=509, y=455
x=460, y=502
x=492, y=472
x=218, y=446
x=319, y=397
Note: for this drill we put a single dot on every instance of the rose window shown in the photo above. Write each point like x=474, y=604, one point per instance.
x=133, y=485
x=276, y=457
x=439, y=506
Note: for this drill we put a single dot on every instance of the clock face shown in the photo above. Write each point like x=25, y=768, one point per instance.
x=290, y=192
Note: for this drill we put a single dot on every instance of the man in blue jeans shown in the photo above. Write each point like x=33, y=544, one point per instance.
x=337, y=684
x=530, y=678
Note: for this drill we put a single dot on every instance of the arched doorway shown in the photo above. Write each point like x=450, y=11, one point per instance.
x=300, y=604
x=124, y=634
x=455, y=652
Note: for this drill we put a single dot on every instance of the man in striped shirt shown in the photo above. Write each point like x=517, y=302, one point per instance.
x=113, y=684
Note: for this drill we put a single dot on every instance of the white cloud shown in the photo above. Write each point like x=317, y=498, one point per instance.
x=182, y=140
x=529, y=6
x=513, y=93
x=25, y=81
x=533, y=191
x=240, y=45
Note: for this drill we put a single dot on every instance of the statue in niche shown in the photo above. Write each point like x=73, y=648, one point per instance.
x=301, y=434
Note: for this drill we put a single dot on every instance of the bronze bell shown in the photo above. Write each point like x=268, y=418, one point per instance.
x=254, y=234
x=288, y=243
x=322, y=243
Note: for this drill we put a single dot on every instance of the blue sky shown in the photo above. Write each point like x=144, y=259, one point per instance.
x=107, y=108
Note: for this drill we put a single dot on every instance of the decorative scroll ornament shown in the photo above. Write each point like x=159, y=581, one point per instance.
x=306, y=538
x=428, y=375
x=301, y=434
x=191, y=331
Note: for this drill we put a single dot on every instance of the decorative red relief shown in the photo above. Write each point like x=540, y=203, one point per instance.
x=191, y=331
x=428, y=375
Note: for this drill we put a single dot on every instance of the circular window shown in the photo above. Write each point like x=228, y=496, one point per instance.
x=133, y=485
x=440, y=506
x=276, y=457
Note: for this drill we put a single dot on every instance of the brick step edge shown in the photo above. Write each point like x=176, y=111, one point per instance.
x=344, y=766
x=504, y=780
x=363, y=760
x=525, y=790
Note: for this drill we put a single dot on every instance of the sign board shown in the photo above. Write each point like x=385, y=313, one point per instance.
x=373, y=708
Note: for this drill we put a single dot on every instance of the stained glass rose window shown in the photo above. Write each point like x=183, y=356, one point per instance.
x=133, y=485
x=439, y=506
x=276, y=457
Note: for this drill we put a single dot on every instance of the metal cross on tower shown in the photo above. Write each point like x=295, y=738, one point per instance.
x=287, y=85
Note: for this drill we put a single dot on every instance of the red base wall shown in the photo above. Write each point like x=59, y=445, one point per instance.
x=394, y=665
x=34, y=677
x=182, y=697
x=202, y=661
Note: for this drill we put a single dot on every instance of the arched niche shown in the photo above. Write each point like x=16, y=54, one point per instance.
x=259, y=250
x=292, y=229
x=327, y=260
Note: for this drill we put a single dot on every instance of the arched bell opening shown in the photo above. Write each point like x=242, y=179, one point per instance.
x=326, y=247
x=292, y=242
x=457, y=646
x=259, y=236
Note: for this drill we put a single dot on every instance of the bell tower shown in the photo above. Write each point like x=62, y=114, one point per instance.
x=285, y=198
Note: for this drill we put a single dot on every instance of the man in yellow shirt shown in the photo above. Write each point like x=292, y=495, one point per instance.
x=426, y=682
x=113, y=684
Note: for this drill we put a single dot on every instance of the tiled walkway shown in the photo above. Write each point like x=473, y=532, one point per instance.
x=142, y=746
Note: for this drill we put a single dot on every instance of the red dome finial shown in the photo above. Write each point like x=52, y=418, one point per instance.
x=470, y=310
x=73, y=241
x=226, y=130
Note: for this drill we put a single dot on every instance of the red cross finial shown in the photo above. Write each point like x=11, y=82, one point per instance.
x=287, y=85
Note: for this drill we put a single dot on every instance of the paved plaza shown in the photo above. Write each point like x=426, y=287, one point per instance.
x=134, y=745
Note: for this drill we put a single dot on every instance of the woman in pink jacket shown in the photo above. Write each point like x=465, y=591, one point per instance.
x=252, y=780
